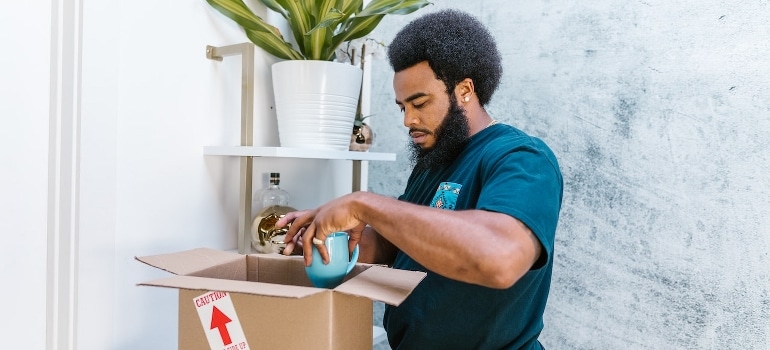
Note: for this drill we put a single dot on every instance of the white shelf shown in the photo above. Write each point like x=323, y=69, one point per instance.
x=285, y=152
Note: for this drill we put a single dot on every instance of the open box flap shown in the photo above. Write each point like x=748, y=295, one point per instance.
x=388, y=285
x=216, y=270
x=191, y=261
x=246, y=287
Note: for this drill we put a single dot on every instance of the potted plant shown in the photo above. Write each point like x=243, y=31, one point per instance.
x=311, y=114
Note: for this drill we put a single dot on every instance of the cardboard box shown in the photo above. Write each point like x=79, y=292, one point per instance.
x=230, y=301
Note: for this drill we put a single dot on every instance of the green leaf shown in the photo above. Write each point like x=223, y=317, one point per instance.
x=375, y=7
x=408, y=6
x=331, y=19
x=369, y=18
x=237, y=11
x=298, y=18
x=358, y=27
x=257, y=30
x=273, y=5
x=396, y=7
x=349, y=7
x=320, y=37
x=277, y=48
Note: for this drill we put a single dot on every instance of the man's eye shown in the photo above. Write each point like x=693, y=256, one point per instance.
x=401, y=109
x=418, y=105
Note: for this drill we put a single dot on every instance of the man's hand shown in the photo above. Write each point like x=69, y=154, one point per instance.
x=336, y=215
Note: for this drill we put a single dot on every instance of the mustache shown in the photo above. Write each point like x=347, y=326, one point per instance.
x=424, y=131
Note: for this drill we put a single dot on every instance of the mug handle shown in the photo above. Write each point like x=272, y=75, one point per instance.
x=353, y=260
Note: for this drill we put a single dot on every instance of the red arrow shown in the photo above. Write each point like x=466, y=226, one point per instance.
x=220, y=320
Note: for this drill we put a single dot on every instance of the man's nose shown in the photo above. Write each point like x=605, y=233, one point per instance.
x=410, y=119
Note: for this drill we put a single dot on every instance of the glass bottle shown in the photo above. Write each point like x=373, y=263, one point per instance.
x=272, y=204
x=273, y=194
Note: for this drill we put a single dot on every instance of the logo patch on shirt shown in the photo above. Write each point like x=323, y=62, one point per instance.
x=446, y=196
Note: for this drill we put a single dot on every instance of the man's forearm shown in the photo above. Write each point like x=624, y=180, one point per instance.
x=474, y=246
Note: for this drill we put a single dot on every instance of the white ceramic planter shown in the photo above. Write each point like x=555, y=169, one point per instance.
x=315, y=103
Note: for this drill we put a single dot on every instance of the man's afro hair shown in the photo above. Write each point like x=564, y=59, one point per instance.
x=456, y=46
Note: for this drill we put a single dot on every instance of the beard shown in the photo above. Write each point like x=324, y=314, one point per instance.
x=451, y=137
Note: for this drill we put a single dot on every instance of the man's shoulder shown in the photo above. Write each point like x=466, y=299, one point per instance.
x=507, y=138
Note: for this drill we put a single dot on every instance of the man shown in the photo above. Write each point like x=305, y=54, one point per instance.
x=480, y=208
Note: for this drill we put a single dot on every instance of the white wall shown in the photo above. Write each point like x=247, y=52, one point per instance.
x=659, y=113
x=24, y=120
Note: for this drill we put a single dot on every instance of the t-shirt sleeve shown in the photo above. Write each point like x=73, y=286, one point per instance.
x=526, y=183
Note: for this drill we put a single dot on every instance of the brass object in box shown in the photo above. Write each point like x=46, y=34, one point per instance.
x=264, y=235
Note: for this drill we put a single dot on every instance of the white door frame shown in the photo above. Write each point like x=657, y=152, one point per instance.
x=63, y=175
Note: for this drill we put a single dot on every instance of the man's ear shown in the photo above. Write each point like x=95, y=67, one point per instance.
x=464, y=90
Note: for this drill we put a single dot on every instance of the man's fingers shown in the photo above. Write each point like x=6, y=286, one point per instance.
x=286, y=219
x=307, y=244
x=298, y=220
x=293, y=242
x=289, y=217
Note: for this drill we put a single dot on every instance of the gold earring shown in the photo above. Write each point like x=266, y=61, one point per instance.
x=467, y=98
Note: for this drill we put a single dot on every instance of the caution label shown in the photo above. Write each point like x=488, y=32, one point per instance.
x=220, y=322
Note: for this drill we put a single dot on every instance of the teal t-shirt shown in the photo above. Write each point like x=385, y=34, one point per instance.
x=503, y=170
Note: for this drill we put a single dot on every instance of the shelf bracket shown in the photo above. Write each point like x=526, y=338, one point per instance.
x=356, y=176
x=246, y=51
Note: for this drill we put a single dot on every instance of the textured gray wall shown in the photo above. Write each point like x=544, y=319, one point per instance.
x=659, y=112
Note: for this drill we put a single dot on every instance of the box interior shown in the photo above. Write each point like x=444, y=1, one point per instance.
x=285, y=270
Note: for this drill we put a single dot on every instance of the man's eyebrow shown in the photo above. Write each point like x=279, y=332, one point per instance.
x=412, y=97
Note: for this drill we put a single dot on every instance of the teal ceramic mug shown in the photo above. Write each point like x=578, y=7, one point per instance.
x=331, y=275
